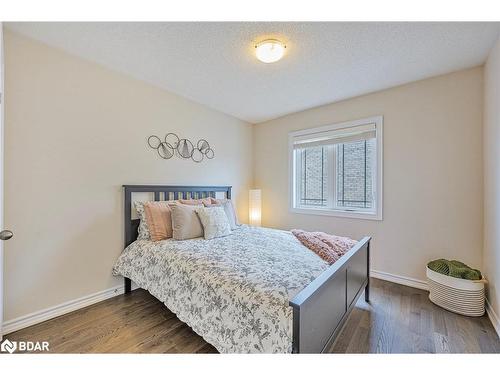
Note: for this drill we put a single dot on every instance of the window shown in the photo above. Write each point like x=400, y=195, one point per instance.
x=337, y=169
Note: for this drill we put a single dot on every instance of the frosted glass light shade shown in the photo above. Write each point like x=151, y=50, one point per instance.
x=269, y=50
x=255, y=207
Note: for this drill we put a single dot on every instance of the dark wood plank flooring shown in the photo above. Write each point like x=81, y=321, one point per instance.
x=398, y=319
x=401, y=319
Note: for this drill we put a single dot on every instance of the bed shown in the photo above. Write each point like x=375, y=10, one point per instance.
x=257, y=290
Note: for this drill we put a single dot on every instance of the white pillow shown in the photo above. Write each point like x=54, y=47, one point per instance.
x=231, y=215
x=143, y=232
x=215, y=222
x=228, y=206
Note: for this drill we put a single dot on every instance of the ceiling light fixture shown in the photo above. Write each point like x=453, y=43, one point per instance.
x=270, y=50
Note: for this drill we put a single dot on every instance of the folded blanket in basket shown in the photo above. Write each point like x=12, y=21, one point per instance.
x=454, y=268
x=329, y=247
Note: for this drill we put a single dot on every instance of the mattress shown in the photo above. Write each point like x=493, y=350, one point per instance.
x=234, y=290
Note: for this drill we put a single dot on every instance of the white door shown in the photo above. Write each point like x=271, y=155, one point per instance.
x=4, y=234
x=1, y=177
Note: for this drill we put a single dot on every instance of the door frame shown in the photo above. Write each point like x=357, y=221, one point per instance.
x=2, y=100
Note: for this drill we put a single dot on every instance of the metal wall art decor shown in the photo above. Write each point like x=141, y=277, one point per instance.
x=183, y=148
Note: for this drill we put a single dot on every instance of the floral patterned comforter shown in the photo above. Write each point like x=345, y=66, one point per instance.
x=233, y=290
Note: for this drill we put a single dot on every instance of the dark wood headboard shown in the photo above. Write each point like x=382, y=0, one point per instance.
x=164, y=193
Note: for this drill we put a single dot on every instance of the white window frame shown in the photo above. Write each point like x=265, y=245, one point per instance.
x=339, y=212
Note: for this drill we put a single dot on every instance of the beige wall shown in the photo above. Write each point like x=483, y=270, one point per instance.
x=492, y=176
x=74, y=133
x=433, y=197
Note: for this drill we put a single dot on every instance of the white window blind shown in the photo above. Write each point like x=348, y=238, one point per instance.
x=331, y=137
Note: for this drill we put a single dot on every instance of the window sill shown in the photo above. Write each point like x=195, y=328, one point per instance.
x=338, y=213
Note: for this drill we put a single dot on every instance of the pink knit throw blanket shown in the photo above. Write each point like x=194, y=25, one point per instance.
x=329, y=247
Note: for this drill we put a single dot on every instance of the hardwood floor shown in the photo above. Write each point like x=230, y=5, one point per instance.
x=401, y=319
x=398, y=319
x=135, y=323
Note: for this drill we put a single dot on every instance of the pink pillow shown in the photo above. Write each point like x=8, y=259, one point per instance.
x=196, y=202
x=159, y=219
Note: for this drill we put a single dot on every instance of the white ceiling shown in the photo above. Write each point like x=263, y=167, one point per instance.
x=214, y=63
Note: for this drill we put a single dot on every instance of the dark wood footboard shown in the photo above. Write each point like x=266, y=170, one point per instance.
x=321, y=308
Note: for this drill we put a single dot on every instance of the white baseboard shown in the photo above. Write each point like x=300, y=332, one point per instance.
x=493, y=317
x=403, y=280
x=55, y=311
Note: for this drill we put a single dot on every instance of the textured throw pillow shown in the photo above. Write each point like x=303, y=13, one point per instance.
x=229, y=208
x=185, y=222
x=215, y=222
x=159, y=219
x=143, y=232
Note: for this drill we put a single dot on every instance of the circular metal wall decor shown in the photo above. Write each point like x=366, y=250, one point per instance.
x=210, y=153
x=154, y=142
x=203, y=146
x=183, y=148
x=172, y=140
x=165, y=150
x=197, y=155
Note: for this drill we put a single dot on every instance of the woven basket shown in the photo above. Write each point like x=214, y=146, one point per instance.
x=461, y=296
